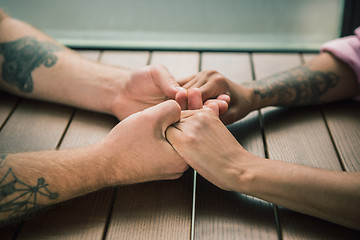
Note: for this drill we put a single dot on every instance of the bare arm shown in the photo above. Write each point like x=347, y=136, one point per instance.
x=324, y=79
x=132, y=152
x=34, y=65
x=207, y=146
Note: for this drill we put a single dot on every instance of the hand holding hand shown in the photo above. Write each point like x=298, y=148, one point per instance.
x=207, y=146
x=146, y=87
x=213, y=85
x=137, y=149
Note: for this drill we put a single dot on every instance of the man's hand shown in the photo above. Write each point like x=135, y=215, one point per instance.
x=214, y=86
x=137, y=150
x=145, y=88
x=207, y=146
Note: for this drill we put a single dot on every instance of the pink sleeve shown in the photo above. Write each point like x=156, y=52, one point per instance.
x=347, y=49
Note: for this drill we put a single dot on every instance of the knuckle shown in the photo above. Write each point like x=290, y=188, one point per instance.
x=219, y=79
x=208, y=73
x=212, y=71
x=191, y=139
x=157, y=67
x=154, y=70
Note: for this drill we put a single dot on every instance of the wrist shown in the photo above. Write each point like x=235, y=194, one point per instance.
x=257, y=98
x=249, y=170
x=99, y=165
x=112, y=86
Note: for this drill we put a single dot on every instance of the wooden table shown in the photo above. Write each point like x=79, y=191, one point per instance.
x=190, y=207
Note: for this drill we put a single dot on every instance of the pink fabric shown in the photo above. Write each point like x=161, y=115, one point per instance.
x=347, y=49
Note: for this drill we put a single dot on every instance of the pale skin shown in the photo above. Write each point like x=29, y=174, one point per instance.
x=206, y=145
x=33, y=65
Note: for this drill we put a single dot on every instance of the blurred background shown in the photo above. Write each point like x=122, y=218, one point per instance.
x=220, y=25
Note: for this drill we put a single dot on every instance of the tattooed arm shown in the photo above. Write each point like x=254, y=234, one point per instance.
x=132, y=152
x=324, y=79
x=34, y=65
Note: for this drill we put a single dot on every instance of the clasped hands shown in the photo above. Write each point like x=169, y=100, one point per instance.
x=168, y=128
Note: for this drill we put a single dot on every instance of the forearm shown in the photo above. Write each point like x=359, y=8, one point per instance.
x=322, y=80
x=29, y=181
x=34, y=65
x=330, y=195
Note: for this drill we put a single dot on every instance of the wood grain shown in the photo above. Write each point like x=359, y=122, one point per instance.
x=84, y=217
x=180, y=64
x=34, y=126
x=154, y=210
x=343, y=119
x=267, y=64
x=228, y=215
x=291, y=136
x=235, y=66
x=157, y=210
x=93, y=55
x=7, y=104
x=298, y=135
x=127, y=59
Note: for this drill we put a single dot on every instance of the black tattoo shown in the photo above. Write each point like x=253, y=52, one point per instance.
x=17, y=197
x=299, y=86
x=2, y=160
x=22, y=56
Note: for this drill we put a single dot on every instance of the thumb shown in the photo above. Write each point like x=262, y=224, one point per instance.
x=221, y=105
x=164, y=80
x=214, y=107
x=165, y=114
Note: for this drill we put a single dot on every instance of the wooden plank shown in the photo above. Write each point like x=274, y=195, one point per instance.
x=229, y=215
x=180, y=64
x=344, y=123
x=93, y=55
x=309, y=56
x=299, y=136
x=343, y=120
x=85, y=217
x=127, y=59
x=34, y=126
x=154, y=210
x=162, y=209
x=265, y=64
x=235, y=66
x=7, y=104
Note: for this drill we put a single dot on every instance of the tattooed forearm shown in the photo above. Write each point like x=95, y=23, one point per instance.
x=2, y=160
x=299, y=86
x=17, y=197
x=22, y=56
